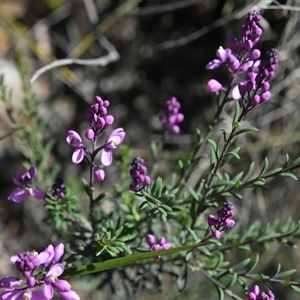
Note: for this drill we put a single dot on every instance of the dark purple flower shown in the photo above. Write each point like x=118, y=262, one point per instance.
x=10, y=281
x=138, y=174
x=58, y=189
x=25, y=186
x=223, y=221
x=74, y=140
x=112, y=141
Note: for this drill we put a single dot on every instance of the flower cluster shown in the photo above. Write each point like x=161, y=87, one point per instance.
x=58, y=189
x=99, y=121
x=249, y=74
x=255, y=294
x=223, y=221
x=160, y=245
x=25, y=183
x=138, y=173
x=172, y=117
x=38, y=270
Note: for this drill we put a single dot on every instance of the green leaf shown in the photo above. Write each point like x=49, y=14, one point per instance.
x=194, y=236
x=264, y=168
x=213, y=145
x=157, y=187
x=245, y=129
x=213, y=159
x=124, y=261
x=230, y=155
x=253, y=265
x=248, y=173
x=194, y=194
x=100, y=197
x=233, y=280
x=154, y=150
x=293, y=163
x=220, y=293
x=272, y=171
x=86, y=186
x=241, y=265
x=284, y=274
x=277, y=270
x=237, y=112
x=295, y=288
x=289, y=175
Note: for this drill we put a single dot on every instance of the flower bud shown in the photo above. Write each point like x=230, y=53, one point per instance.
x=214, y=86
x=99, y=174
x=89, y=134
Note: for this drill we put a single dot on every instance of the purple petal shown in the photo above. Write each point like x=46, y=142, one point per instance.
x=73, y=139
x=10, y=281
x=167, y=246
x=214, y=86
x=62, y=286
x=48, y=290
x=14, y=258
x=32, y=172
x=59, y=252
x=17, y=178
x=214, y=64
x=12, y=294
x=70, y=295
x=38, y=295
x=45, y=257
x=235, y=93
x=18, y=195
x=106, y=157
x=150, y=239
x=50, y=251
x=78, y=156
x=38, y=195
x=56, y=270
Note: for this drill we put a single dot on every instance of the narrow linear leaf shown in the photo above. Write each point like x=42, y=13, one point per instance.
x=237, y=112
x=246, y=129
x=220, y=293
x=285, y=274
x=289, y=175
x=123, y=261
x=264, y=168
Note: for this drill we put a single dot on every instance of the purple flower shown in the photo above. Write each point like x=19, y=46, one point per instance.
x=112, y=141
x=223, y=55
x=10, y=281
x=255, y=294
x=160, y=245
x=99, y=174
x=51, y=282
x=58, y=189
x=214, y=86
x=172, y=117
x=25, y=186
x=70, y=295
x=223, y=221
x=138, y=174
x=74, y=140
x=16, y=294
x=97, y=115
x=28, y=263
